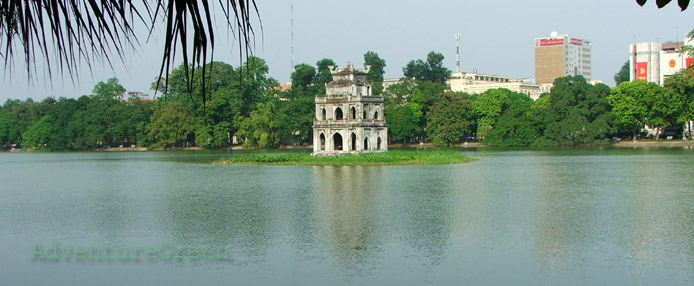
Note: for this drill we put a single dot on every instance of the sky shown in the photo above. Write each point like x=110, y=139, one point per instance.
x=497, y=37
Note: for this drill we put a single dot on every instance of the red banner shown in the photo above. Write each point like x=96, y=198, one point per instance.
x=642, y=71
x=689, y=61
x=550, y=42
x=577, y=42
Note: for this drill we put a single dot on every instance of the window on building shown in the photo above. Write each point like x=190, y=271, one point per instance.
x=338, y=113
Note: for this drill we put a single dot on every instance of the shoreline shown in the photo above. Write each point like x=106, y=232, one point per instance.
x=622, y=144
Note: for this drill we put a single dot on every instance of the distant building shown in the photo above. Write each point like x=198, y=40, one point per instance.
x=562, y=55
x=349, y=118
x=654, y=62
x=475, y=83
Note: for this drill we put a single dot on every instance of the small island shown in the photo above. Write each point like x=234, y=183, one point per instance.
x=393, y=157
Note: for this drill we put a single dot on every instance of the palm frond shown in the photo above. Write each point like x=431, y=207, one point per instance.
x=67, y=33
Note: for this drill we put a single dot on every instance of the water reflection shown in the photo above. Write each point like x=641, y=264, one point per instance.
x=350, y=211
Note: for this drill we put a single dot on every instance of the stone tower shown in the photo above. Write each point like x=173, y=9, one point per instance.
x=349, y=118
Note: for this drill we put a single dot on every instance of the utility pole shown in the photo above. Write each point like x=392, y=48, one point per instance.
x=292, y=31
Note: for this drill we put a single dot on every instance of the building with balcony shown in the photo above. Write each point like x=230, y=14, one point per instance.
x=349, y=118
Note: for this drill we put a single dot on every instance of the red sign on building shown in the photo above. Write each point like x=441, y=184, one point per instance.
x=642, y=71
x=550, y=42
x=689, y=61
x=577, y=42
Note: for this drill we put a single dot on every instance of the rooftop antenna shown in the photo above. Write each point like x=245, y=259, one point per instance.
x=457, y=52
x=292, y=31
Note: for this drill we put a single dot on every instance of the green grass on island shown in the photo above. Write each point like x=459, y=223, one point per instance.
x=398, y=157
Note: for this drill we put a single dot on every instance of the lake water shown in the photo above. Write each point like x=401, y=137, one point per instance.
x=560, y=216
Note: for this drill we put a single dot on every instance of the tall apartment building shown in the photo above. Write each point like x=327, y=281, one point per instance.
x=562, y=55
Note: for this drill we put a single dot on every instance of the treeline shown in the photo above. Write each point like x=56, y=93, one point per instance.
x=245, y=102
x=241, y=101
x=573, y=113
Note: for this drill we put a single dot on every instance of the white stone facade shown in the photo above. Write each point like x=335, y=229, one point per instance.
x=349, y=119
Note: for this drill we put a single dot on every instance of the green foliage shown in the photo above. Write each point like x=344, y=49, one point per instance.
x=172, y=125
x=110, y=89
x=303, y=76
x=623, y=74
x=39, y=134
x=403, y=121
x=431, y=70
x=376, y=72
x=449, y=120
x=631, y=104
x=323, y=75
x=680, y=96
x=393, y=157
x=514, y=127
x=261, y=128
x=578, y=113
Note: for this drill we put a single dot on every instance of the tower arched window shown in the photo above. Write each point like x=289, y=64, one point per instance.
x=338, y=113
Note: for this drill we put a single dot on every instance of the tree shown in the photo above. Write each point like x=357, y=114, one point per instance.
x=577, y=113
x=623, y=74
x=110, y=89
x=403, y=121
x=376, y=72
x=172, y=124
x=487, y=108
x=432, y=70
x=303, y=76
x=323, y=75
x=449, y=119
x=261, y=128
x=85, y=31
x=631, y=103
x=39, y=134
x=681, y=85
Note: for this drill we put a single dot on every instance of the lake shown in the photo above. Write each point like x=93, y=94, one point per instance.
x=575, y=216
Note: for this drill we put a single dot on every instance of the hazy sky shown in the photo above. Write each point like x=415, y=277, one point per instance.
x=497, y=37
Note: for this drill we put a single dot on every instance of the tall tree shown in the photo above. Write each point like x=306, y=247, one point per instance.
x=110, y=89
x=431, y=70
x=449, y=120
x=681, y=85
x=303, y=76
x=631, y=103
x=623, y=74
x=323, y=75
x=376, y=72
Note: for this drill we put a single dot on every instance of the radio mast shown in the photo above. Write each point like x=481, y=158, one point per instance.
x=457, y=52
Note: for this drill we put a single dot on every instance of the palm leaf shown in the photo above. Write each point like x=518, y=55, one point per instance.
x=67, y=33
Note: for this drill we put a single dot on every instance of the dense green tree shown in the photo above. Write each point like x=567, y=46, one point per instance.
x=172, y=125
x=404, y=121
x=303, y=76
x=631, y=104
x=681, y=87
x=449, y=120
x=431, y=70
x=323, y=75
x=623, y=74
x=39, y=134
x=578, y=113
x=487, y=108
x=111, y=89
x=514, y=127
x=261, y=128
x=376, y=71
